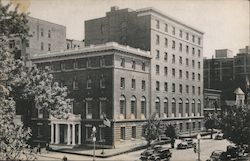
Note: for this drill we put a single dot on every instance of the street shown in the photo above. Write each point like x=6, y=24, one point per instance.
x=207, y=146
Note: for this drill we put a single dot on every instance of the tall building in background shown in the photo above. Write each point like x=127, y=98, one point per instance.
x=177, y=60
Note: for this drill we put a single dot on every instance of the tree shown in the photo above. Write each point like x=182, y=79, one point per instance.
x=151, y=129
x=236, y=125
x=171, y=132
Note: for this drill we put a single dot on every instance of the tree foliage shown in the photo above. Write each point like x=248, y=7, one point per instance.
x=151, y=129
x=171, y=131
x=236, y=125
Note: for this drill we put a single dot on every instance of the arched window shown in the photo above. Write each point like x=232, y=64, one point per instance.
x=187, y=107
x=180, y=107
x=133, y=105
x=199, y=106
x=143, y=106
x=166, y=106
x=157, y=106
x=193, y=107
x=123, y=105
x=173, y=107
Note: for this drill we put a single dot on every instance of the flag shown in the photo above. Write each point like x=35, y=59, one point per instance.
x=106, y=122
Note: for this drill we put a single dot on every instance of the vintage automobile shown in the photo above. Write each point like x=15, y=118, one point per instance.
x=185, y=144
x=156, y=153
x=234, y=152
x=146, y=154
x=218, y=155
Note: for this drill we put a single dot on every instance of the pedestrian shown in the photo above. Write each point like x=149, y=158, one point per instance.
x=47, y=147
x=39, y=148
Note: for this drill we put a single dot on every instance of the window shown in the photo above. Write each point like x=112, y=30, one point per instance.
x=123, y=133
x=173, y=30
x=199, y=65
x=41, y=32
x=187, y=88
x=42, y=46
x=134, y=132
x=89, y=83
x=193, y=76
x=122, y=83
x=40, y=113
x=157, y=106
x=157, y=68
x=133, y=64
x=193, y=106
x=143, y=106
x=49, y=47
x=180, y=47
x=193, y=125
x=166, y=42
x=199, y=40
x=173, y=44
x=101, y=134
x=173, y=87
x=199, y=53
x=187, y=36
x=187, y=62
x=187, y=75
x=102, y=106
x=157, y=54
x=75, y=64
x=193, y=64
x=180, y=73
x=180, y=107
x=143, y=85
x=166, y=106
x=102, y=61
x=12, y=44
x=199, y=106
x=143, y=66
x=39, y=131
x=49, y=34
x=181, y=127
x=157, y=39
x=88, y=133
x=180, y=33
x=193, y=38
x=123, y=105
x=157, y=85
x=75, y=84
x=187, y=49
x=166, y=71
x=166, y=86
x=193, y=51
x=187, y=106
x=88, y=63
x=173, y=72
x=88, y=109
x=199, y=90
x=173, y=58
x=180, y=60
x=199, y=77
x=122, y=62
x=157, y=24
x=102, y=82
x=133, y=85
x=133, y=105
x=174, y=107
x=62, y=66
x=193, y=89
x=166, y=27
x=166, y=56
x=180, y=88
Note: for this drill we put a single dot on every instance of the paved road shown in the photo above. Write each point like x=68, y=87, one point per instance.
x=207, y=146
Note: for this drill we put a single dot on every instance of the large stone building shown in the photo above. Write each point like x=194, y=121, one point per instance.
x=177, y=60
x=212, y=102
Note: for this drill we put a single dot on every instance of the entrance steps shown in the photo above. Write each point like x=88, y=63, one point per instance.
x=62, y=146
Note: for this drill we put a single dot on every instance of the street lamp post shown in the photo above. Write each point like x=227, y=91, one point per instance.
x=94, y=140
x=190, y=121
x=199, y=148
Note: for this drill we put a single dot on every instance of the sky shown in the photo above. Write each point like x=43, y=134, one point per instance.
x=224, y=22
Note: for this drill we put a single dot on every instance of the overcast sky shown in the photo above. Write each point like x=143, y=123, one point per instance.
x=225, y=22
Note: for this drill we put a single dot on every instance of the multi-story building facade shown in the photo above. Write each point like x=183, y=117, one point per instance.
x=177, y=60
x=108, y=80
x=212, y=102
x=72, y=44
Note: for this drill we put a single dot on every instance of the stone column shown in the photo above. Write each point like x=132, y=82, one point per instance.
x=73, y=134
x=57, y=134
x=79, y=134
x=68, y=135
x=52, y=133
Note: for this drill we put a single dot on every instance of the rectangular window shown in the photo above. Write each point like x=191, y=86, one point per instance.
x=187, y=49
x=49, y=34
x=173, y=72
x=180, y=73
x=143, y=84
x=88, y=133
x=180, y=47
x=199, y=77
x=88, y=109
x=193, y=76
x=166, y=71
x=193, y=89
x=187, y=88
x=11, y=44
x=166, y=27
x=88, y=63
x=173, y=58
x=193, y=38
x=187, y=36
x=166, y=42
x=42, y=46
x=180, y=60
x=49, y=47
x=199, y=90
x=157, y=85
x=133, y=86
x=199, y=53
x=102, y=82
x=133, y=64
x=173, y=30
x=123, y=133
x=180, y=88
x=173, y=87
x=102, y=62
x=187, y=62
x=122, y=83
x=157, y=39
x=157, y=68
x=102, y=106
x=180, y=34
x=166, y=56
x=89, y=83
x=199, y=65
x=187, y=75
x=181, y=127
x=157, y=54
x=102, y=134
x=199, y=40
x=41, y=32
x=75, y=84
x=193, y=51
x=157, y=24
x=122, y=62
x=166, y=86
x=143, y=66
x=173, y=44
x=193, y=64
x=134, y=132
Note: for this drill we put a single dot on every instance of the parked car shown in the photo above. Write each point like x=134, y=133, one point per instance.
x=156, y=153
x=146, y=154
x=218, y=155
x=219, y=136
x=234, y=152
x=186, y=143
x=164, y=138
